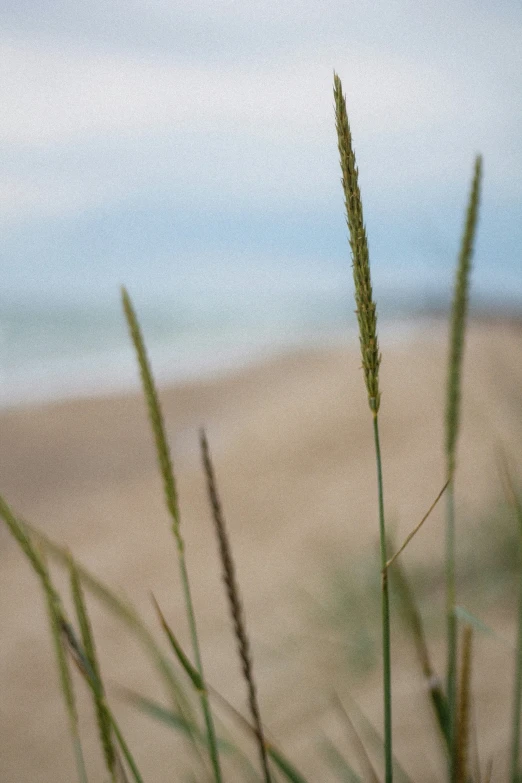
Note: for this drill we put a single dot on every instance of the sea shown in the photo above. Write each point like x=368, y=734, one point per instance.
x=55, y=345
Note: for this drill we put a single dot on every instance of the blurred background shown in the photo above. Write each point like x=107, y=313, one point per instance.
x=188, y=151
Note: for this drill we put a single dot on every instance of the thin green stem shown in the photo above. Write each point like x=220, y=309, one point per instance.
x=386, y=644
x=517, y=700
x=517, y=687
x=80, y=761
x=205, y=705
x=125, y=750
x=451, y=625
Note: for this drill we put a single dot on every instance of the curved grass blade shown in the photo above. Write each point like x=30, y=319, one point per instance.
x=416, y=528
x=67, y=687
x=177, y=722
x=83, y=664
x=365, y=762
x=338, y=763
x=374, y=737
x=122, y=609
x=285, y=766
x=55, y=611
x=102, y=716
x=178, y=650
x=170, y=718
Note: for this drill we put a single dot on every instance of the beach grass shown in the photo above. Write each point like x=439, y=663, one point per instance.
x=182, y=673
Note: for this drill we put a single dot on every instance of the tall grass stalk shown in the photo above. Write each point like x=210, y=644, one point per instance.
x=171, y=498
x=367, y=319
x=457, y=335
x=516, y=505
x=236, y=609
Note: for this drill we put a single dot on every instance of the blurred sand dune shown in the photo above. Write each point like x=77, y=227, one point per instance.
x=293, y=452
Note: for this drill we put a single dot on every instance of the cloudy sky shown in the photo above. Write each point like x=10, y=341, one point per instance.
x=162, y=143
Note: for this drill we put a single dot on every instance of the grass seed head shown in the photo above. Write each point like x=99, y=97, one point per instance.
x=366, y=308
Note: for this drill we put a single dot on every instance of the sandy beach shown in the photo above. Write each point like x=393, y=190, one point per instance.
x=292, y=446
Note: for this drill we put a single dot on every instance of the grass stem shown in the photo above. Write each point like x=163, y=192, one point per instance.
x=451, y=625
x=517, y=693
x=514, y=501
x=367, y=319
x=453, y=399
x=385, y=598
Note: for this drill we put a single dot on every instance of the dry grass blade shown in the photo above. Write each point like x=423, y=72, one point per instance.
x=102, y=716
x=464, y=709
x=417, y=527
x=236, y=609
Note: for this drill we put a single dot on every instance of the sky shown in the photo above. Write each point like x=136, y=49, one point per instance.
x=191, y=146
